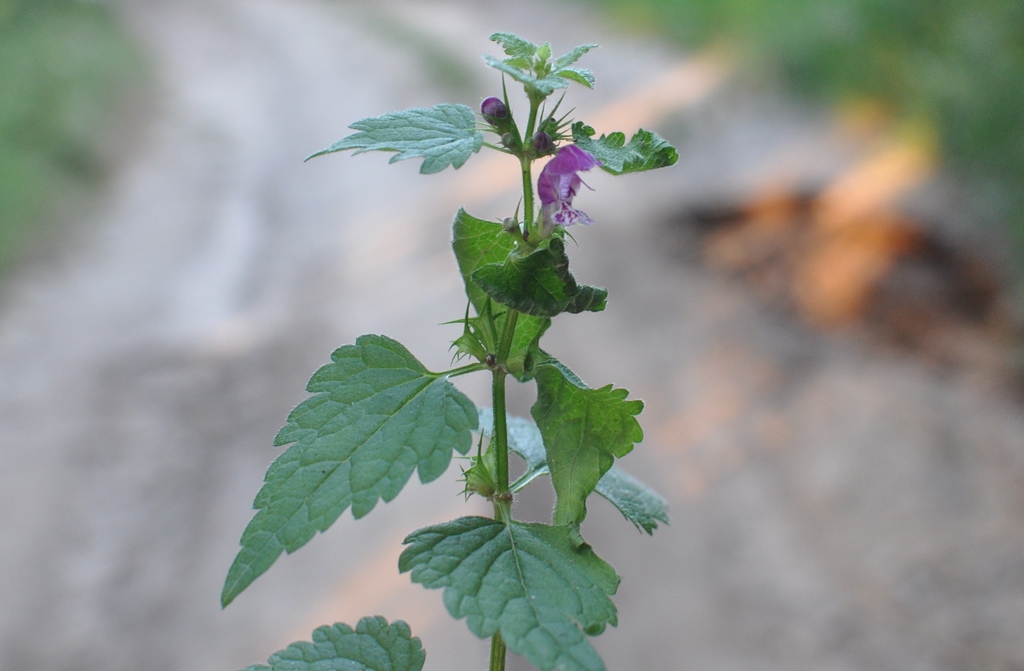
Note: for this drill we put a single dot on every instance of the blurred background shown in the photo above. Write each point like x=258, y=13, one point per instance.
x=820, y=304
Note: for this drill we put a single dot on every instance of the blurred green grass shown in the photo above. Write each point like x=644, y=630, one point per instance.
x=955, y=67
x=63, y=64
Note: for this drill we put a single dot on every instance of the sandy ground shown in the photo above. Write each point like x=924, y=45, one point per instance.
x=833, y=507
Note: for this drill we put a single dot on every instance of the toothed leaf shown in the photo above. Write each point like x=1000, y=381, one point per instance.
x=568, y=59
x=442, y=135
x=539, y=283
x=515, y=46
x=645, y=151
x=374, y=645
x=584, y=430
x=376, y=416
x=542, y=587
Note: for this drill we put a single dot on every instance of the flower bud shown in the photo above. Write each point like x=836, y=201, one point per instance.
x=493, y=109
x=542, y=143
x=509, y=140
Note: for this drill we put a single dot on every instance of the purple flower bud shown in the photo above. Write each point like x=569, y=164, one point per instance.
x=493, y=108
x=542, y=143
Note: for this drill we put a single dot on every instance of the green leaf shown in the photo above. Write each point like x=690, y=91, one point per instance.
x=645, y=151
x=543, y=85
x=374, y=645
x=585, y=77
x=479, y=243
x=637, y=502
x=376, y=416
x=540, y=586
x=568, y=59
x=529, y=64
x=515, y=47
x=584, y=430
x=539, y=283
x=442, y=135
x=543, y=54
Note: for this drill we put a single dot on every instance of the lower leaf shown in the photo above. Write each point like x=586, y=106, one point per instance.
x=540, y=586
x=374, y=645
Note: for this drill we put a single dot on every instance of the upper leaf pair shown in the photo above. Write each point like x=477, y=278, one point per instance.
x=536, y=283
x=532, y=65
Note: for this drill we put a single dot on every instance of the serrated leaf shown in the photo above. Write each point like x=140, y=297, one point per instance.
x=374, y=645
x=441, y=135
x=376, y=416
x=584, y=430
x=568, y=59
x=515, y=46
x=539, y=283
x=637, y=502
x=645, y=151
x=478, y=243
x=540, y=586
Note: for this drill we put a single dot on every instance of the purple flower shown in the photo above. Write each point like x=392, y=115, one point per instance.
x=558, y=185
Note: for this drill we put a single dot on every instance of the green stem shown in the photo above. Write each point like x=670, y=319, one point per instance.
x=532, y=121
x=497, y=653
x=499, y=436
x=502, y=503
x=499, y=433
x=527, y=166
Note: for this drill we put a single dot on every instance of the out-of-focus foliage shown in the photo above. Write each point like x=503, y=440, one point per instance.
x=956, y=66
x=62, y=63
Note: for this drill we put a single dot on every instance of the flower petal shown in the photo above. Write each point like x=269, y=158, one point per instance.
x=558, y=184
x=562, y=214
x=558, y=180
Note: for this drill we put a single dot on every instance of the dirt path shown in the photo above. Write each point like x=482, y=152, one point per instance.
x=833, y=508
